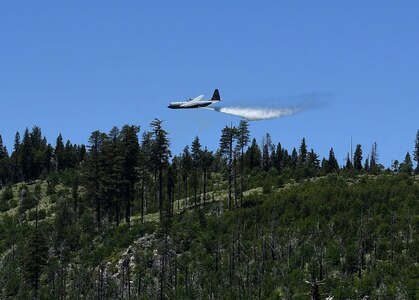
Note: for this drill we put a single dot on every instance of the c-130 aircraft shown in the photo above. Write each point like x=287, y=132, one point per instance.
x=196, y=102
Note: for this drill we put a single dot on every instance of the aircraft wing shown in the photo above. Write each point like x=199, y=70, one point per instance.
x=196, y=99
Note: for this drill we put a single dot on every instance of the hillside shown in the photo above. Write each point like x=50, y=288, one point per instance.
x=340, y=237
x=123, y=218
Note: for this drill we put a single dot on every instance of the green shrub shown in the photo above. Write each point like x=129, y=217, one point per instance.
x=50, y=188
x=4, y=205
x=68, y=177
x=12, y=203
x=7, y=193
x=5, y=197
x=32, y=214
x=27, y=202
x=267, y=187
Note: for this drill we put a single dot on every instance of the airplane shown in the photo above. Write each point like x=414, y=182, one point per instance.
x=196, y=102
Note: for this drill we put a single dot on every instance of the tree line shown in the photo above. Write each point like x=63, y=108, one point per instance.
x=123, y=157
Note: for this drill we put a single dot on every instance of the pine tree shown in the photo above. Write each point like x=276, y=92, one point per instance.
x=266, y=159
x=170, y=188
x=243, y=138
x=373, y=156
x=286, y=159
x=196, y=163
x=2, y=148
x=36, y=138
x=26, y=155
x=324, y=166
x=94, y=170
x=38, y=145
x=47, y=156
x=70, y=155
x=5, y=169
x=175, y=169
x=228, y=135
x=63, y=242
x=367, y=164
x=348, y=165
x=145, y=167
x=416, y=152
x=395, y=166
x=279, y=160
x=111, y=160
x=82, y=153
x=186, y=164
x=165, y=227
x=254, y=155
x=294, y=159
x=207, y=160
x=407, y=165
x=35, y=256
x=16, y=160
x=332, y=163
x=160, y=154
x=358, y=158
x=35, y=259
x=313, y=163
x=302, y=169
x=59, y=152
x=302, y=152
x=129, y=149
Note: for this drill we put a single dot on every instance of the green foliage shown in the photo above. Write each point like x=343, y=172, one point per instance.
x=358, y=158
x=416, y=152
x=298, y=222
x=68, y=177
x=407, y=165
x=40, y=215
x=27, y=202
x=114, y=239
x=9, y=277
x=34, y=259
x=6, y=196
x=7, y=193
x=297, y=228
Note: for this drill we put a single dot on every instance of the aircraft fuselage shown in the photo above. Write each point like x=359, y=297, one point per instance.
x=196, y=102
x=180, y=105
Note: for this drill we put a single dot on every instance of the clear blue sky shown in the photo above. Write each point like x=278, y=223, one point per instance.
x=77, y=66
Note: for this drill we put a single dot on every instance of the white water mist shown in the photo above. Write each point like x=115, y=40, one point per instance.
x=257, y=114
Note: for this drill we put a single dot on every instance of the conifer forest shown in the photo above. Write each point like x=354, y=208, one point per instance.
x=123, y=217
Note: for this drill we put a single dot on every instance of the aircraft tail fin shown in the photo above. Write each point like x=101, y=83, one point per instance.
x=216, y=96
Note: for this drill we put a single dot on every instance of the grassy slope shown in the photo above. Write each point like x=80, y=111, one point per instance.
x=323, y=214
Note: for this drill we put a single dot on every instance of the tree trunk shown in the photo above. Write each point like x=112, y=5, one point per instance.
x=98, y=214
x=205, y=185
x=178, y=198
x=161, y=190
x=195, y=186
x=314, y=291
x=142, y=198
x=230, y=162
x=235, y=179
x=185, y=206
x=128, y=204
x=241, y=177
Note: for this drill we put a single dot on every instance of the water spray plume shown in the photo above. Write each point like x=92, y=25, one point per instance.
x=267, y=113
x=256, y=114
